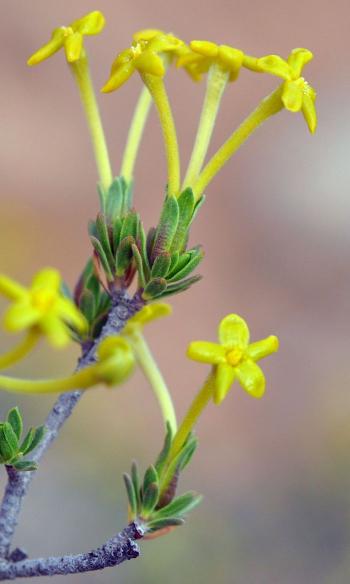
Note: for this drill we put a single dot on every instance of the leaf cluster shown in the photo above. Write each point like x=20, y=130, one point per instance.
x=12, y=449
x=160, y=258
x=152, y=501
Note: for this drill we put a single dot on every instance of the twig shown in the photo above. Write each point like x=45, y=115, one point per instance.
x=116, y=550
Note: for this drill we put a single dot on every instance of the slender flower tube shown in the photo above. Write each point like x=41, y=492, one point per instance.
x=71, y=39
x=115, y=364
x=21, y=350
x=144, y=357
x=268, y=107
x=222, y=63
x=135, y=134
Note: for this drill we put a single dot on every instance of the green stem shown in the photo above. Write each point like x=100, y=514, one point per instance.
x=135, y=134
x=196, y=408
x=267, y=107
x=82, y=77
x=19, y=351
x=216, y=84
x=155, y=378
x=157, y=89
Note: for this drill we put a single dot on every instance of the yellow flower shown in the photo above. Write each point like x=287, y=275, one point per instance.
x=234, y=358
x=142, y=56
x=145, y=315
x=115, y=361
x=70, y=37
x=42, y=307
x=203, y=54
x=297, y=94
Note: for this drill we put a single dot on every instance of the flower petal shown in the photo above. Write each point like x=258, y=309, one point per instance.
x=73, y=46
x=275, y=65
x=233, y=332
x=150, y=63
x=206, y=352
x=224, y=377
x=67, y=311
x=11, y=289
x=205, y=48
x=230, y=57
x=292, y=96
x=251, y=378
x=91, y=23
x=147, y=34
x=20, y=316
x=50, y=48
x=48, y=278
x=118, y=78
x=298, y=59
x=56, y=331
x=309, y=112
x=262, y=348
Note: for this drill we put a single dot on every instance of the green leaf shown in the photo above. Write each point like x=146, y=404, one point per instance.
x=130, y=225
x=139, y=265
x=151, y=476
x=181, y=505
x=15, y=419
x=117, y=229
x=135, y=477
x=10, y=437
x=103, y=258
x=159, y=524
x=124, y=255
x=142, y=246
x=197, y=207
x=114, y=200
x=167, y=226
x=103, y=236
x=154, y=288
x=87, y=305
x=25, y=465
x=165, y=450
x=27, y=441
x=92, y=284
x=186, y=202
x=151, y=235
x=174, y=261
x=194, y=258
x=150, y=499
x=161, y=265
x=131, y=494
x=39, y=434
x=175, y=288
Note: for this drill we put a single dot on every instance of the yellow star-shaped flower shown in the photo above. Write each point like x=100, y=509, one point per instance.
x=42, y=306
x=70, y=38
x=234, y=358
x=143, y=56
x=297, y=94
x=203, y=54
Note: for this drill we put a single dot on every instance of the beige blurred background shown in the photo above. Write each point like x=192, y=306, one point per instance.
x=275, y=227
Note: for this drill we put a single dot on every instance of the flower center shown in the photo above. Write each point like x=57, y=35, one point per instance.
x=67, y=30
x=43, y=299
x=234, y=356
x=136, y=50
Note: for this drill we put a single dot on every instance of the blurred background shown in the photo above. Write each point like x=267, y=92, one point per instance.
x=275, y=228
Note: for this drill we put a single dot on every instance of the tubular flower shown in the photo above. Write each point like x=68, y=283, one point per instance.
x=234, y=358
x=203, y=54
x=145, y=315
x=143, y=56
x=42, y=307
x=70, y=38
x=297, y=94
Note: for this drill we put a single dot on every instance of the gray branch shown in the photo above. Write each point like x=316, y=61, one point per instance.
x=115, y=551
x=123, y=308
